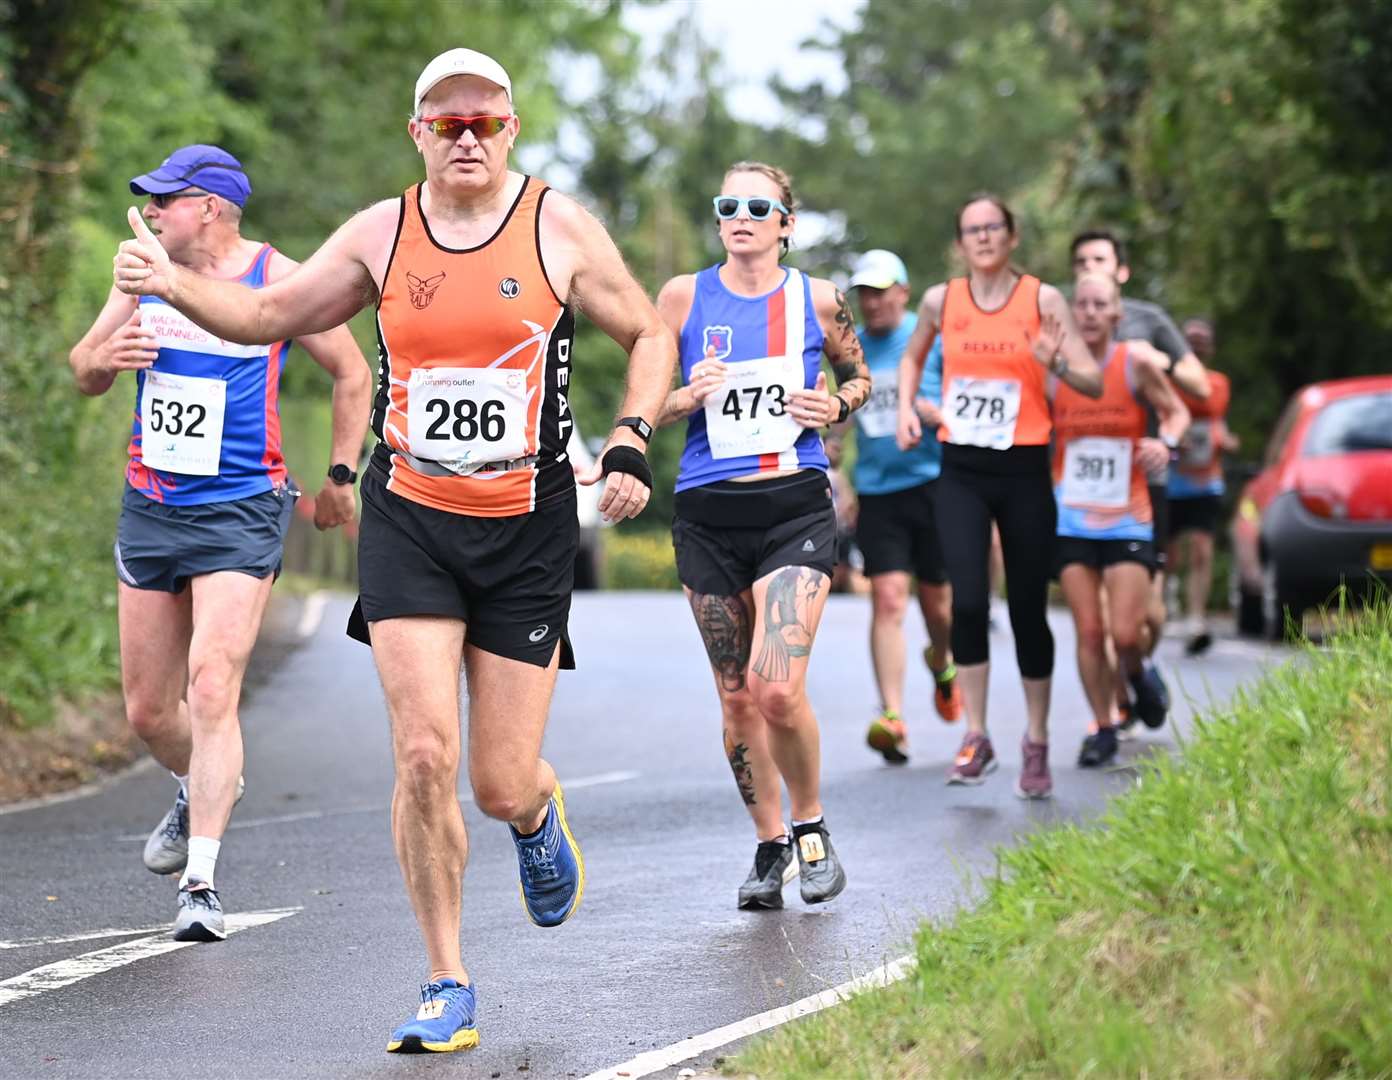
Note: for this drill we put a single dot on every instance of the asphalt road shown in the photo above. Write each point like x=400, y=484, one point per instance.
x=658, y=951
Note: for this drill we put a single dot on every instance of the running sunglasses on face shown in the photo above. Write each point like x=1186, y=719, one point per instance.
x=163, y=201
x=729, y=207
x=451, y=127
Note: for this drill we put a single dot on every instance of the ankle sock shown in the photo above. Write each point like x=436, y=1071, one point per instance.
x=202, y=860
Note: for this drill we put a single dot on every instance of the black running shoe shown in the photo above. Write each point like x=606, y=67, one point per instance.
x=1152, y=696
x=1199, y=644
x=1098, y=748
x=818, y=866
x=773, y=868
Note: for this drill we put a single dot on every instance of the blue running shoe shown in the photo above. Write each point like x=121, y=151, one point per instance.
x=551, y=867
x=444, y=1022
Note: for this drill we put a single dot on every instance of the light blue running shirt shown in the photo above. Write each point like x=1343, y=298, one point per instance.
x=881, y=468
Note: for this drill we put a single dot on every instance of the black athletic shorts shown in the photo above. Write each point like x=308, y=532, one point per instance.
x=1160, y=522
x=160, y=547
x=728, y=535
x=1199, y=514
x=508, y=578
x=899, y=531
x=1100, y=554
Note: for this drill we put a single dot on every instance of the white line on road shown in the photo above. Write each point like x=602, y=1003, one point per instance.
x=66, y=939
x=66, y=972
x=598, y=780
x=664, y=1058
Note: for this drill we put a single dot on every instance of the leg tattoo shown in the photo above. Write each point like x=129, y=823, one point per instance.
x=787, y=625
x=738, y=753
x=724, y=625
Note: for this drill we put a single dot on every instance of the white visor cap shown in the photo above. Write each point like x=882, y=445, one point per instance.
x=461, y=62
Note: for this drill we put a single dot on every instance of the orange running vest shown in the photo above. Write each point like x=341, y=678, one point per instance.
x=989, y=372
x=1201, y=454
x=1117, y=414
x=473, y=345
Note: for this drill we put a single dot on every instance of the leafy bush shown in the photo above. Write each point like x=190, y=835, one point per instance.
x=639, y=560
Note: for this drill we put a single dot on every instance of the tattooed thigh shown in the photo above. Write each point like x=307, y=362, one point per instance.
x=724, y=622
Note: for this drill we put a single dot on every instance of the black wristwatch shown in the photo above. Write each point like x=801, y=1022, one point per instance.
x=843, y=411
x=340, y=474
x=638, y=424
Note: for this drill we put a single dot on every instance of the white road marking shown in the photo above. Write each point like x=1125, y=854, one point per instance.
x=66, y=972
x=598, y=780
x=312, y=614
x=664, y=1058
x=65, y=939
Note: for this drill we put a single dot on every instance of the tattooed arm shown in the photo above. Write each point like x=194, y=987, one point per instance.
x=842, y=346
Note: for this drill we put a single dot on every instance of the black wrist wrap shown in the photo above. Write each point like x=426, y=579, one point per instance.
x=627, y=459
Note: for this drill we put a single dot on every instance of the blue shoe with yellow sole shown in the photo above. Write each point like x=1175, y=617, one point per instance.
x=444, y=1021
x=551, y=867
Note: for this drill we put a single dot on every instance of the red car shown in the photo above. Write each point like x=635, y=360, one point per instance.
x=1319, y=514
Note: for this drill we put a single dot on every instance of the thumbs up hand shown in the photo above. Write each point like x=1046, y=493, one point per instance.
x=814, y=408
x=142, y=266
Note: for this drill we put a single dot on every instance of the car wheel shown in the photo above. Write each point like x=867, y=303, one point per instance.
x=1277, y=601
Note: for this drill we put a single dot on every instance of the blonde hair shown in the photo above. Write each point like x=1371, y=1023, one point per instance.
x=1105, y=280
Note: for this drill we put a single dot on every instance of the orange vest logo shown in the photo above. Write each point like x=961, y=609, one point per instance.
x=423, y=289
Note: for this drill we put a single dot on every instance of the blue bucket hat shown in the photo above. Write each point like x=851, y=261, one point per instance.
x=210, y=168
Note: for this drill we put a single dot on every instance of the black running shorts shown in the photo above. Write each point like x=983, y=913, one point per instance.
x=1199, y=514
x=160, y=547
x=728, y=535
x=508, y=578
x=899, y=531
x=1100, y=554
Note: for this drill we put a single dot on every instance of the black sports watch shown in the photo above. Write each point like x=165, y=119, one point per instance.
x=843, y=411
x=340, y=474
x=638, y=424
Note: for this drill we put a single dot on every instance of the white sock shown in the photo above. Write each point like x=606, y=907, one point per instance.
x=811, y=821
x=202, y=860
x=183, y=783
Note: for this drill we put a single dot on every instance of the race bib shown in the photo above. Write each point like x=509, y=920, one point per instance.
x=464, y=418
x=749, y=414
x=1097, y=473
x=1196, y=448
x=181, y=422
x=982, y=412
x=879, y=416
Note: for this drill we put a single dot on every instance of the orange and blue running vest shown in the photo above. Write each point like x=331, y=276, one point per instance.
x=472, y=409
x=1199, y=470
x=993, y=388
x=1098, y=482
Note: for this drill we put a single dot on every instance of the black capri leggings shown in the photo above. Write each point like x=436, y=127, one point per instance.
x=1013, y=488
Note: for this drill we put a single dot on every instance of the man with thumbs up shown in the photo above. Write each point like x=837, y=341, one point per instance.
x=206, y=505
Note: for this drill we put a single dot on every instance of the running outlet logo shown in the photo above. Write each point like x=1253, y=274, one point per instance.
x=510, y=288
x=423, y=289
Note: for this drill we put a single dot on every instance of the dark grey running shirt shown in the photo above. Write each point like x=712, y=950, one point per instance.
x=1141, y=320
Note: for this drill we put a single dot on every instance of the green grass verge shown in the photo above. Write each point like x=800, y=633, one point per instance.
x=1231, y=917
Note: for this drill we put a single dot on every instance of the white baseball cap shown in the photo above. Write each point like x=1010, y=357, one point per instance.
x=879, y=269
x=461, y=62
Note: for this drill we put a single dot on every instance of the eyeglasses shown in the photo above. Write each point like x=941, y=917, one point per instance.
x=982, y=230
x=452, y=127
x=729, y=207
x=162, y=201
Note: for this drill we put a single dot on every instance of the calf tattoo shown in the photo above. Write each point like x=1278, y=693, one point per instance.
x=787, y=621
x=738, y=753
x=724, y=626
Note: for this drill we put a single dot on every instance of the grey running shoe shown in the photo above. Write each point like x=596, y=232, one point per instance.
x=200, y=913
x=773, y=868
x=818, y=866
x=166, y=850
x=975, y=759
x=1035, y=781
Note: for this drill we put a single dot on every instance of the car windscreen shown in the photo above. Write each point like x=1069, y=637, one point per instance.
x=1350, y=425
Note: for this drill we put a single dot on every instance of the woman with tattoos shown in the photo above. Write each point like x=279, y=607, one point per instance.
x=754, y=529
x=1003, y=333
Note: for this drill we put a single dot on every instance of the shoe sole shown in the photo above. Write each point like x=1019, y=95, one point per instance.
x=1031, y=796
x=465, y=1039
x=199, y=932
x=883, y=741
x=954, y=779
x=579, y=866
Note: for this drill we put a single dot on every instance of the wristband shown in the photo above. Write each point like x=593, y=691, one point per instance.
x=843, y=410
x=626, y=459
